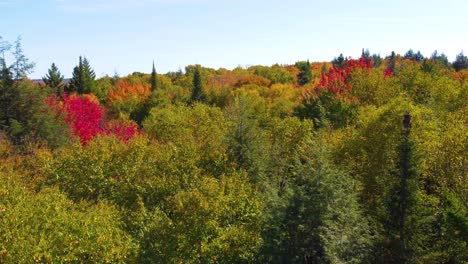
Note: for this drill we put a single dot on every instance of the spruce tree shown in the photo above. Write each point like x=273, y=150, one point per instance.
x=405, y=223
x=54, y=79
x=83, y=80
x=154, y=79
x=305, y=73
x=461, y=62
x=198, y=93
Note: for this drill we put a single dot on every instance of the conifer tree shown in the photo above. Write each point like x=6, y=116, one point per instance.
x=21, y=66
x=83, y=80
x=305, y=73
x=198, y=93
x=461, y=62
x=54, y=79
x=154, y=79
x=405, y=222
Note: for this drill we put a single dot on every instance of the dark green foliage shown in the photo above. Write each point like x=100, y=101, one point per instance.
x=83, y=80
x=54, y=79
x=440, y=59
x=154, y=79
x=305, y=73
x=376, y=60
x=340, y=61
x=391, y=60
x=461, y=62
x=322, y=221
x=410, y=55
x=407, y=222
x=325, y=108
x=365, y=54
x=198, y=92
x=27, y=117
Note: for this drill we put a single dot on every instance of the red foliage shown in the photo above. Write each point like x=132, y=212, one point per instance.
x=337, y=79
x=388, y=73
x=122, y=131
x=86, y=119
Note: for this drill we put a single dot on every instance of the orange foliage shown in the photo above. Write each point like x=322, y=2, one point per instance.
x=253, y=79
x=225, y=79
x=461, y=76
x=125, y=89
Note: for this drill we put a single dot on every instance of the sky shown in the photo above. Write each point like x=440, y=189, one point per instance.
x=124, y=36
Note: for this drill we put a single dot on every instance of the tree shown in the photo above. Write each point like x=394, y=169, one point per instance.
x=198, y=92
x=322, y=221
x=83, y=80
x=21, y=66
x=440, y=58
x=461, y=62
x=154, y=80
x=340, y=61
x=405, y=223
x=410, y=55
x=305, y=73
x=54, y=79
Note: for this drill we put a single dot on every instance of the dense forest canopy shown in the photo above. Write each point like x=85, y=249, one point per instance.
x=348, y=161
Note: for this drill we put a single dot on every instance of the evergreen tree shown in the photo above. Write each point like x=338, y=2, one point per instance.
x=83, y=80
x=5, y=75
x=198, y=92
x=461, y=62
x=340, y=61
x=440, y=58
x=376, y=60
x=405, y=222
x=365, y=54
x=154, y=79
x=305, y=73
x=54, y=79
x=391, y=60
x=322, y=222
x=21, y=66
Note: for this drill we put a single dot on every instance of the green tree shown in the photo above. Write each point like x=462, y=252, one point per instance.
x=198, y=92
x=340, y=61
x=47, y=227
x=322, y=221
x=154, y=79
x=461, y=62
x=54, y=79
x=21, y=65
x=83, y=80
x=391, y=60
x=402, y=203
x=305, y=73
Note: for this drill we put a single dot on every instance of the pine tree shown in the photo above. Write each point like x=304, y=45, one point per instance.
x=54, y=79
x=154, y=79
x=340, y=61
x=391, y=60
x=83, y=80
x=461, y=62
x=198, y=93
x=305, y=73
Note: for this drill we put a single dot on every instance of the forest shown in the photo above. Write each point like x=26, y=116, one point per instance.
x=348, y=161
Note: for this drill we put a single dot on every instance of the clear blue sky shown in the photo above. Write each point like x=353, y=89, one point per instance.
x=126, y=35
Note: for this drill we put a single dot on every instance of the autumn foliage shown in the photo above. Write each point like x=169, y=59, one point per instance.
x=126, y=89
x=337, y=79
x=86, y=119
